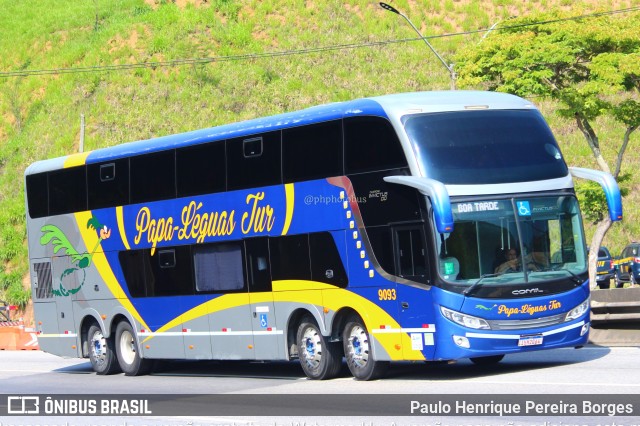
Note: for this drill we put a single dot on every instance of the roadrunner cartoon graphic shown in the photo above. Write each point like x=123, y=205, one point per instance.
x=485, y=308
x=52, y=234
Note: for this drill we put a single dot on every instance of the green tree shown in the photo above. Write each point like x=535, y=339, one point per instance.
x=591, y=67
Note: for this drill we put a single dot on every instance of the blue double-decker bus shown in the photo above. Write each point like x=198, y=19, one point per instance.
x=420, y=226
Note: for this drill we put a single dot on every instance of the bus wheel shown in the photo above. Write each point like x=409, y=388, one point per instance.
x=101, y=352
x=129, y=358
x=487, y=360
x=357, y=351
x=319, y=358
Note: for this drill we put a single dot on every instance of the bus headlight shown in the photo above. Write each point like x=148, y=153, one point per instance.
x=464, y=319
x=578, y=311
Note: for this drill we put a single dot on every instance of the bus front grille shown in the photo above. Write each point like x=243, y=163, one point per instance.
x=528, y=323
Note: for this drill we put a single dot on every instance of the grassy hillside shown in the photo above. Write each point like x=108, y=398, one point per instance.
x=40, y=114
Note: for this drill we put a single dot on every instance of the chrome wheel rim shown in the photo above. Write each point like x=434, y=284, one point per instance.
x=358, y=346
x=98, y=348
x=127, y=347
x=311, y=348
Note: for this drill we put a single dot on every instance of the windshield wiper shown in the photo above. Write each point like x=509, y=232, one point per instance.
x=471, y=289
x=576, y=279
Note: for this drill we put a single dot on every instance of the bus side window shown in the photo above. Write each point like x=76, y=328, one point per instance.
x=371, y=144
x=153, y=177
x=257, y=255
x=172, y=271
x=290, y=257
x=382, y=245
x=201, y=169
x=68, y=191
x=326, y=263
x=219, y=267
x=411, y=254
x=248, y=167
x=108, y=184
x=312, y=151
x=167, y=273
x=38, y=195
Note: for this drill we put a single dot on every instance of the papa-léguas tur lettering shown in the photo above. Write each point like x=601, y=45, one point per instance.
x=196, y=224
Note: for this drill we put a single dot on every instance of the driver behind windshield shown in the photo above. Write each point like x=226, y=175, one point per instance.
x=535, y=262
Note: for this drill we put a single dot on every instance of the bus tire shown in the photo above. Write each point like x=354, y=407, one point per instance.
x=358, y=352
x=319, y=358
x=101, y=352
x=487, y=360
x=131, y=363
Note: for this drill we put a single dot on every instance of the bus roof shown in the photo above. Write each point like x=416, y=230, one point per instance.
x=389, y=106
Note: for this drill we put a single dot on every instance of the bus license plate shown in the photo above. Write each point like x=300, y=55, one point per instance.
x=530, y=340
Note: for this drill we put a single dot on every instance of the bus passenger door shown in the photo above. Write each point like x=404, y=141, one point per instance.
x=415, y=305
x=267, y=339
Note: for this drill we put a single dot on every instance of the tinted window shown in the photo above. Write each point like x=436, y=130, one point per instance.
x=411, y=255
x=382, y=245
x=290, y=258
x=248, y=167
x=326, y=264
x=258, y=268
x=483, y=147
x=219, y=267
x=67, y=191
x=312, y=152
x=201, y=169
x=371, y=143
x=153, y=177
x=382, y=203
x=38, y=195
x=136, y=267
x=168, y=272
x=108, y=184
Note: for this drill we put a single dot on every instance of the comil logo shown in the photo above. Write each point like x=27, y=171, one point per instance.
x=527, y=291
x=23, y=405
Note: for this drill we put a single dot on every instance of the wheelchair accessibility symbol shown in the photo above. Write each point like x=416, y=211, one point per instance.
x=524, y=209
x=263, y=320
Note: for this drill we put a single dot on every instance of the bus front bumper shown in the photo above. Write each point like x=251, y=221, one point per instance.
x=479, y=343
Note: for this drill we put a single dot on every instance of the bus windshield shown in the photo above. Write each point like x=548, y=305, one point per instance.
x=510, y=241
x=505, y=145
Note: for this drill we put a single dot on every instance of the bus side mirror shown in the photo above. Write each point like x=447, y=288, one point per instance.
x=609, y=186
x=438, y=194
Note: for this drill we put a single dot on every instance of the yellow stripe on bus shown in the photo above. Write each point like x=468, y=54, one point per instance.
x=121, y=229
x=288, y=189
x=309, y=293
x=101, y=263
x=76, y=160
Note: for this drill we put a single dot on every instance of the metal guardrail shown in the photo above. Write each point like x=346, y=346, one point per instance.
x=615, y=317
x=619, y=304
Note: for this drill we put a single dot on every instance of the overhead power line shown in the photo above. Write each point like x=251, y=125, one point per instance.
x=252, y=56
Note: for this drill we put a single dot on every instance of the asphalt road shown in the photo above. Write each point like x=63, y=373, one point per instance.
x=586, y=373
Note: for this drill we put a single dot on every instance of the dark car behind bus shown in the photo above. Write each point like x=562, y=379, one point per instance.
x=628, y=265
x=606, y=268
